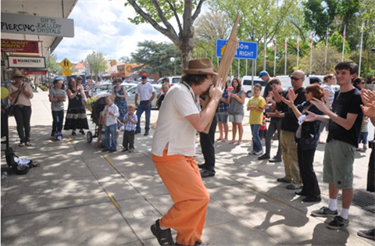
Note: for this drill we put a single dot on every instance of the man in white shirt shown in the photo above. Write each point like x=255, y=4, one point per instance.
x=146, y=93
x=173, y=150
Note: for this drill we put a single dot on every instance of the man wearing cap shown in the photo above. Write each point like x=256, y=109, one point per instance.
x=173, y=150
x=146, y=93
x=266, y=78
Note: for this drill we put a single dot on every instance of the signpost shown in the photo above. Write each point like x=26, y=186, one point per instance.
x=66, y=64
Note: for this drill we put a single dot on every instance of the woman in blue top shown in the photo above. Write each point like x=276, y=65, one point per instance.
x=120, y=99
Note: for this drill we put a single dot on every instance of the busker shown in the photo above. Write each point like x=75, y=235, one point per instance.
x=173, y=150
x=345, y=121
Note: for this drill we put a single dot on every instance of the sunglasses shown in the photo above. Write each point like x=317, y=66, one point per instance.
x=295, y=78
x=144, y=77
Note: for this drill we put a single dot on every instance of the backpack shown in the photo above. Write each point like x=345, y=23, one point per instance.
x=13, y=164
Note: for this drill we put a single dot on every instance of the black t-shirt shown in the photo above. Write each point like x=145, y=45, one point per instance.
x=344, y=103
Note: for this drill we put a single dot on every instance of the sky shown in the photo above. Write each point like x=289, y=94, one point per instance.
x=103, y=26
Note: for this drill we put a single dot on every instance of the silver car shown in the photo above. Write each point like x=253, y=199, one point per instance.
x=130, y=99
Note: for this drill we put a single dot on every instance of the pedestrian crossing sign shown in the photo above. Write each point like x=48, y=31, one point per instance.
x=66, y=63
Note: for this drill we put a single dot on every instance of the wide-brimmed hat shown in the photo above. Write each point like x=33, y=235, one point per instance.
x=18, y=74
x=200, y=66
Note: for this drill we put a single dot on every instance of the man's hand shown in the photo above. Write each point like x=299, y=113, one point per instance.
x=216, y=91
x=369, y=110
x=320, y=104
x=136, y=104
x=367, y=96
x=148, y=104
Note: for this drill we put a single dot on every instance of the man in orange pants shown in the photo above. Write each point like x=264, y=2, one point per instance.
x=173, y=150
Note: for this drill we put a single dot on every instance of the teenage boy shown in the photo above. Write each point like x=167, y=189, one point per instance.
x=173, y=150
x=345, y=121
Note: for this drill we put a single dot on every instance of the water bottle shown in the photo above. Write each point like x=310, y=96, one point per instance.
x=4, y=175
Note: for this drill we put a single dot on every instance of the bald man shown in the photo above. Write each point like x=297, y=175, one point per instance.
x=289, y=126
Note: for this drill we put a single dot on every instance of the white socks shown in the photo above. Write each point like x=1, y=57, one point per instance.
x=345, y=213
x=332, y=204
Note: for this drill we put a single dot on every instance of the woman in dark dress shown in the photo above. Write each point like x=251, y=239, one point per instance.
x=76, y=116
x=307, y=137
x=120, y=99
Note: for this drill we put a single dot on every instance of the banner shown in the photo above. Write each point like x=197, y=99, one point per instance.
x=20, y=46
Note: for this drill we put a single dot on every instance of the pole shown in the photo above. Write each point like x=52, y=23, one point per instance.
x=246, y=67
x=297, y=52
x=326, y=57
x=238, y=73
x=274, y=59
x=360, y=52
x=285, y=47
x=265, y=55
x=252, y=75
x=311, y=45
x=343, y=44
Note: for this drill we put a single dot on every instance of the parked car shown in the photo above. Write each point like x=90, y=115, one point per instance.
x=172, y=80
x=131, y=95
x=100, y=89
x=128, y=85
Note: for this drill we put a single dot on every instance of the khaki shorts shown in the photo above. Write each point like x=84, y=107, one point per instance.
x=338, y=164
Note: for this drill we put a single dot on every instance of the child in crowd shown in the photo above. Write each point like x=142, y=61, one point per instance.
x=110, y=113
x=57, y=97
x=130, y=122
x=255, y=106
x=163, y=91
x=363, y=135
x=263, y=128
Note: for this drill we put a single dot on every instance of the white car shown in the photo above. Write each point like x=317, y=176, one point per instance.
x=130, y=99
x=172, y=79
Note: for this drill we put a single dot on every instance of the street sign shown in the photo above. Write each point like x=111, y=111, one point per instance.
x=67, y=73
x=245, y=50
x=66, y=63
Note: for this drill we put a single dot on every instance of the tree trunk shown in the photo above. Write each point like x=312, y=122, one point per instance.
x=186, y=46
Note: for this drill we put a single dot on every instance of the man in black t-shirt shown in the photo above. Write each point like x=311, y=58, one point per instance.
x=345, y=121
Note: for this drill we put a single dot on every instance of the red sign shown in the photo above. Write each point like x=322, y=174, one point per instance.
x=35, y=73
x=21, y=46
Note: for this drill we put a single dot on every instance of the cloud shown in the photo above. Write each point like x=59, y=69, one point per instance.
x=103, y=26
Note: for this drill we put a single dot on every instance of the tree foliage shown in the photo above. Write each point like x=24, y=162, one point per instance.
x=96, y=63
x=156, y=57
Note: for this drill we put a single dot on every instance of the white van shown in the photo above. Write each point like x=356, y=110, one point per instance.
x=246, y=84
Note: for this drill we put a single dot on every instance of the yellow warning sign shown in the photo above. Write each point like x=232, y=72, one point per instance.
x=66, y=63
x=67, y=73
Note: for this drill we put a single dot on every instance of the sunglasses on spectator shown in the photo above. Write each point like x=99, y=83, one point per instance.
x=144, y=77
x=295, y=78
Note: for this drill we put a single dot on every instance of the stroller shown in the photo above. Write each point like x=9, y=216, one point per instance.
x=97, y=108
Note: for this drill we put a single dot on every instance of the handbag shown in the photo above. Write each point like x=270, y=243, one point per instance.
x=10, y=109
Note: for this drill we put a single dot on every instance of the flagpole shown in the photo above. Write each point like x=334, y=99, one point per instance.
x=285, y=47
x=343, y=43
x=297, y=52
x=360, y=52
x=238, y=73
x=265, y=54
x=274, y=60
x=246, y=66
x=325, y=60
x=311, y=41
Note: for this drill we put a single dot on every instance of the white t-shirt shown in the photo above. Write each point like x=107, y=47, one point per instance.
x=172, y=126
x=144, y=91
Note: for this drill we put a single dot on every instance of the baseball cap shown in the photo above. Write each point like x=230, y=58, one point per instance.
x=144, y=75
x=262, y=73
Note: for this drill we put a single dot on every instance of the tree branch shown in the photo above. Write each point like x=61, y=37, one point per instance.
x=173, y=8
x=162, y=17
x=167, y=32
x=197, y=10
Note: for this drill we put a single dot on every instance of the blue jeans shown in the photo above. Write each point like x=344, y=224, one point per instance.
x=111, y=137
x=141, y=108
x=257, y=143
x=363, y=137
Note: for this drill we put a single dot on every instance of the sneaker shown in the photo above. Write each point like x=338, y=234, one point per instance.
x=264, y=157
x=124, y=150
x=324, y=212
x=337, y=223
x=146, y=134
x=292, y=187
x=282, y=180
x=275, y=159
x=260, y=152
x=164, y=236
x=131, y=150
x=370, y=234
x=105, y=150
x=112, y=150
x=252, y=152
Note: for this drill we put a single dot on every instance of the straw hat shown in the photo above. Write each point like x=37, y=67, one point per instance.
x=200, y=66
x=17, y=74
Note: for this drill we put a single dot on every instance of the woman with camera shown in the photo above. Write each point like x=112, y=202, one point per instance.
x=20, y=94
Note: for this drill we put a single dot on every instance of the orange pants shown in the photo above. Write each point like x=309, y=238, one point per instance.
x=182, y=179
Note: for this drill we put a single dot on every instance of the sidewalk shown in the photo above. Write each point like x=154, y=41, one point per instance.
x=78, y=196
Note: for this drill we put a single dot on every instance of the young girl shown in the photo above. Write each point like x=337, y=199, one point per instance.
x=163, y=91
x=256, y=106
x=110, y=113
x=57, y=97
x=236, y=99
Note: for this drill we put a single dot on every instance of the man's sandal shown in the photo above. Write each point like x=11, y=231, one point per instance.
x=164, y=236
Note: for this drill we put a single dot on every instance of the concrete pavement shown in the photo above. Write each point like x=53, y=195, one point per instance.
x=78, y=196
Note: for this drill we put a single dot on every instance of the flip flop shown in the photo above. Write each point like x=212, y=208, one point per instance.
x=21, y=145
x=28, y=144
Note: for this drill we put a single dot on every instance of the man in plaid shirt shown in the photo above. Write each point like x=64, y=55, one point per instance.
x=129, y=125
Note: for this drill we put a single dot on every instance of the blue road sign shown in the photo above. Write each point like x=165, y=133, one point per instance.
x=245, y=50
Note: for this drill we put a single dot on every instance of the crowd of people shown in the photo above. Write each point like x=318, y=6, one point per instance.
x=297, y=118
